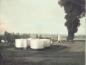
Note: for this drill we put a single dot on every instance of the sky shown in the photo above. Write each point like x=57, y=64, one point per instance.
x=34, y=16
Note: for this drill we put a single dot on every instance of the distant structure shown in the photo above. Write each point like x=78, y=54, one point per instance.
x=59, y=38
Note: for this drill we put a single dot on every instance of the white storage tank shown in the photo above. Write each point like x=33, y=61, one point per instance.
x=28, y=42
x=20, y=43
x=47, y=42
x=40, y=43
x=37, y=44
x=24, y=43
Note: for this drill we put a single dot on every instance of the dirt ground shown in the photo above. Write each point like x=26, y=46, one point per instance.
x=66, y=53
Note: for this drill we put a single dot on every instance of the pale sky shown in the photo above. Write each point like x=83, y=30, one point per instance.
x=34, y=16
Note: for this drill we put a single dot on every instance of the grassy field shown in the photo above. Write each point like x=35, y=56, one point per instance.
x=66, y=53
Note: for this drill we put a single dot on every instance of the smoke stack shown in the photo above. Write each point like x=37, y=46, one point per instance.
x=74, y=9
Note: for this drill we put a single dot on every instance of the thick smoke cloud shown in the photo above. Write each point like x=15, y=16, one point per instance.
x=74, y=9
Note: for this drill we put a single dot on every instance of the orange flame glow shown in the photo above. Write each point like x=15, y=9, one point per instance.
x=2, y=27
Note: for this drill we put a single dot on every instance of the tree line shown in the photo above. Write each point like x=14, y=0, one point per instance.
x=10, y=37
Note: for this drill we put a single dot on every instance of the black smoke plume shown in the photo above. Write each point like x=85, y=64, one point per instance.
x=74, y=9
